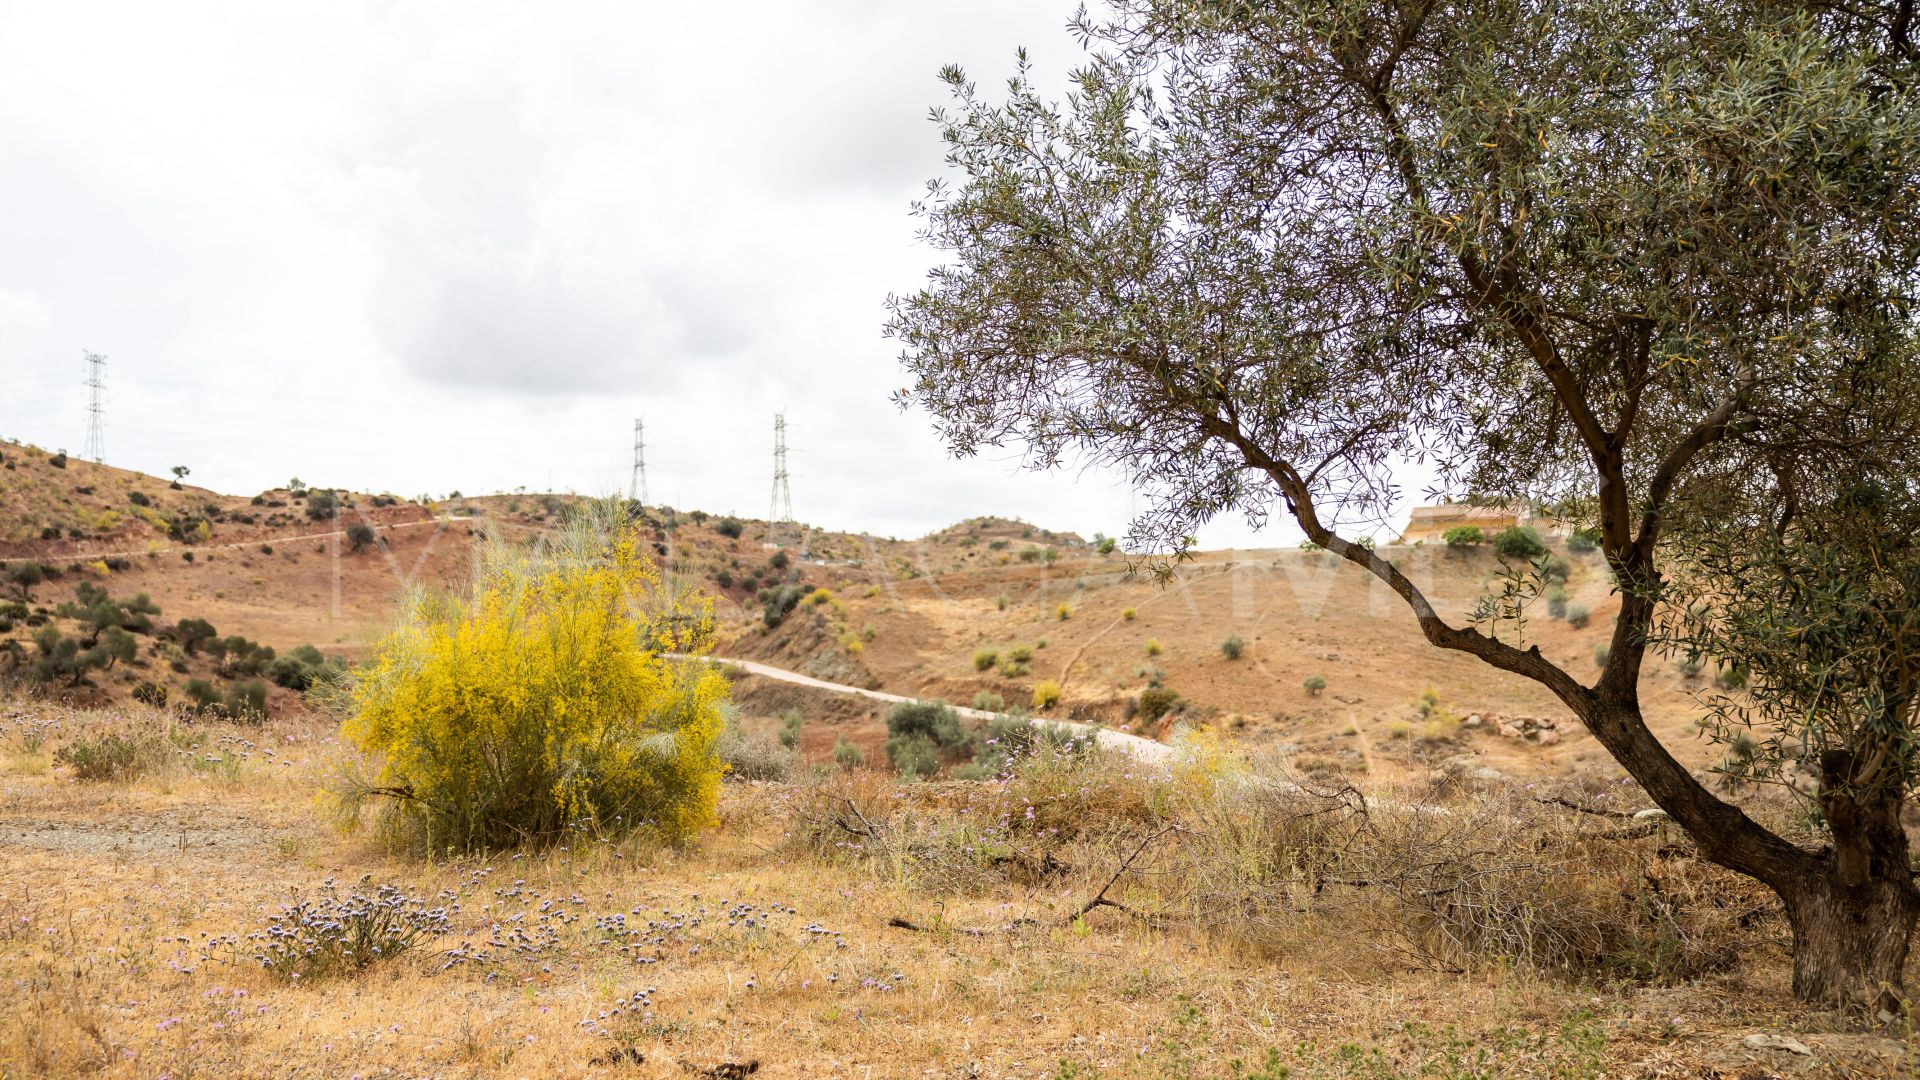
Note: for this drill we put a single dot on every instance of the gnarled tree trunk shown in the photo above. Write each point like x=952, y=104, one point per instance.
x=1853, y=909
x=1850, y=942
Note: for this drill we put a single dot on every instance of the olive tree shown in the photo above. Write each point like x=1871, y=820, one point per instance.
x=1628, y=256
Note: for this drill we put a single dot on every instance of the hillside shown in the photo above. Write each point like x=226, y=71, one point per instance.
x=987, y=607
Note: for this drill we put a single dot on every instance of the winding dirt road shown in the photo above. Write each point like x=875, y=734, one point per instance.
x=1144, y=749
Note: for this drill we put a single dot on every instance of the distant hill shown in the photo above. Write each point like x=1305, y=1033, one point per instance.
x=988, y=607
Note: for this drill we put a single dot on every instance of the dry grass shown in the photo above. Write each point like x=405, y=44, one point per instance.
x=770, y=940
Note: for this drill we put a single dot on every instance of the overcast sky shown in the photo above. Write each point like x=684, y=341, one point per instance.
x=420, y=247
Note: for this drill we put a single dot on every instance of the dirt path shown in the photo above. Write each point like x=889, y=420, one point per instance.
x=1144, y=749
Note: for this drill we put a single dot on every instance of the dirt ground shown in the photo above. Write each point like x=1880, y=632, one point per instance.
x=115, y=897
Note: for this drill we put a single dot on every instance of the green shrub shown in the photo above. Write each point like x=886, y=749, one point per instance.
x=1581, y=541
x=1577, y=616
x=1556, y=570
x=791, y=722
x=913, y=755
x=1156, y=702
x=985, y=659
x=1557, y=602
x=988, y=701
x=151, y=693
x=360, y=536
x=1313, y=684
x=542, y=705
x=111, y=757
x=1233, y=646
x=204, y=697
x=1463, y=536
x=301, y=668
x=731, y=528
x=1000, y=602
x=236, y=656
x=1107, y=545
x=1020, y=654
x=1153, y=647
x=321, y=504
x=910, y=723
x=1600, y=655
x=847, y=755
x=246, y=700
x=1520, y=542
x=778, y=602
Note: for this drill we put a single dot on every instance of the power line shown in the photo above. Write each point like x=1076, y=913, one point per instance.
x=96, y=423
x=637, y=487
x=780, y=508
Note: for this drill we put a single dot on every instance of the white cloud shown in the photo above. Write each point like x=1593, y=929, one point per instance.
x=426, y=246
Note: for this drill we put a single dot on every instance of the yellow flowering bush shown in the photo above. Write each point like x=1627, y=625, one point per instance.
x=543, y=702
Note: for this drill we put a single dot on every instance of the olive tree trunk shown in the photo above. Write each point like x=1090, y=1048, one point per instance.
x=1854, y=907
x=1850, y=942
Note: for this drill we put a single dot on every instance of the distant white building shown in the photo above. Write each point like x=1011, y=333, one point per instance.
x=1429, y=524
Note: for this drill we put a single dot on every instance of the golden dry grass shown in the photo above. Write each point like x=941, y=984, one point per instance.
x=107, y=892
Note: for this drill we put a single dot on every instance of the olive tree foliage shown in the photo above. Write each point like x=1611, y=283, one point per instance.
x=1816, y=606
x=1627, y=257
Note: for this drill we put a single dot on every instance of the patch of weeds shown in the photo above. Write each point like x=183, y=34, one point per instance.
x=110, y=757
x=335, y=933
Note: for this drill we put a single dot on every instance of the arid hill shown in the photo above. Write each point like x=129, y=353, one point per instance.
x=990, y=608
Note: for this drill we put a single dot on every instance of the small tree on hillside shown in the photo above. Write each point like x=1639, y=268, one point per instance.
x=23, y=578
x=1615, y=258
x=190, y=633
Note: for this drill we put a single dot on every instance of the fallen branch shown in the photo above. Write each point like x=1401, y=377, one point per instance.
x=868, y=829
x=1100, y=898
x=899, y=923
x=1555, y=800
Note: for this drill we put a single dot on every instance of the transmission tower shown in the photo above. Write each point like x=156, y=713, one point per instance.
x=637, y=489
x=96, y=422
x=780, y=509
